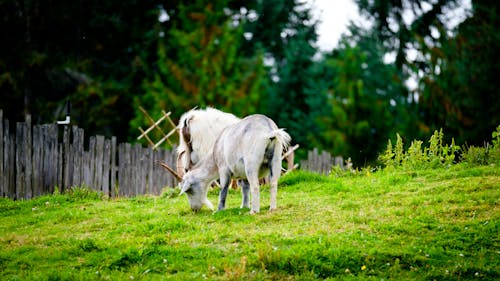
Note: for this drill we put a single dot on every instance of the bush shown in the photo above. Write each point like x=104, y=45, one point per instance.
x=475, y=155
x=438, y=153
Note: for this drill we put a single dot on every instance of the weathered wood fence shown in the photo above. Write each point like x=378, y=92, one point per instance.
x=34, y=160
x=321, y=163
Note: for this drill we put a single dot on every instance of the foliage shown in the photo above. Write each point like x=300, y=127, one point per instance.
x=425, y=224
x=359, y=109
x=289, y=95
x=199, y=65
x=256, y=56
x=60, y=51
x=475, y=155
x=457, y=86
x=490, y=153
x=495, y=151
x=437, y=154
x=214, y=55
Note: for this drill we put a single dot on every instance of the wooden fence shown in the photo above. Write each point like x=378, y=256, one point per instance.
x=321, y=163
x=34, y=160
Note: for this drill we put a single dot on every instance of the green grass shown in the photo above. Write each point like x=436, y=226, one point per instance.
x=434, y=224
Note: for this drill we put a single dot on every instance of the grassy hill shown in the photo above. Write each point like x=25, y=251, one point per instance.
x=428, y=224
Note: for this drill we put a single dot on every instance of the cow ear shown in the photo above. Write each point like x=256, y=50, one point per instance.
x=185, y=187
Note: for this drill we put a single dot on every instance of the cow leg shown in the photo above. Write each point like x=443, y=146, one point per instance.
x=225, y=179
x=245, y=188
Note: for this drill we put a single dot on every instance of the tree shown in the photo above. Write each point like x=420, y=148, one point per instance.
x=199, y=64
x=364, y=103
x=457, y=87
x=461, y=81
x=56, y=51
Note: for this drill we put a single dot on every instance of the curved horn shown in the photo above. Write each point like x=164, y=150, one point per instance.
x=168, y=168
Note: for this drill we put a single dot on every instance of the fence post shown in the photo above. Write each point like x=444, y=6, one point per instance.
x=77, y=152
x=98, y=166
x=67, y=159
x=113, y=168
x=9, y=161
x=37, y=160
x=106, y=167
x=23, y=173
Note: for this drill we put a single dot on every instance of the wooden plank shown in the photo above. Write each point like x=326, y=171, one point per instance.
x=149, y=172
x=60, y=167
x=86, y=179
x=121, y=164
x=113, y=168
x=155, y=124
x=66, y=161
x=98, y=158
x=46, y=163
x=3, y=184
x=28, y=142
x=125, y=171
x=54, y=158
x=141, y=188
x=159, y=173
x=339, y=161
x=92, y=152
x=77, y=151
x=37, y=161
x=146, y=136
x=154, y=169
x=20, y=165
x=106, y=167
x=136, y=170
x=171, y=123
x=9, y=161
x=128, y=170
x=326, y=163
x=172, y=158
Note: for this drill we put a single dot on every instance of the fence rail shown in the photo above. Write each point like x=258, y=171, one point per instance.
x=34, y=160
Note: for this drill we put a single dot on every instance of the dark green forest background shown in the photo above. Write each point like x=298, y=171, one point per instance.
x=254, y=56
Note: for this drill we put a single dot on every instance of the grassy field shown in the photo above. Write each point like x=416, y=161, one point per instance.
x=431, y=224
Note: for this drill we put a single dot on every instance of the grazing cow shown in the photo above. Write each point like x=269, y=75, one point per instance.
x=249, y=149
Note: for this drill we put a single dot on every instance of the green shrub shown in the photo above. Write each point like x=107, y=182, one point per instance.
x=495, y=149
x=473, y=155
x=436, y=154
x=83, y=193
